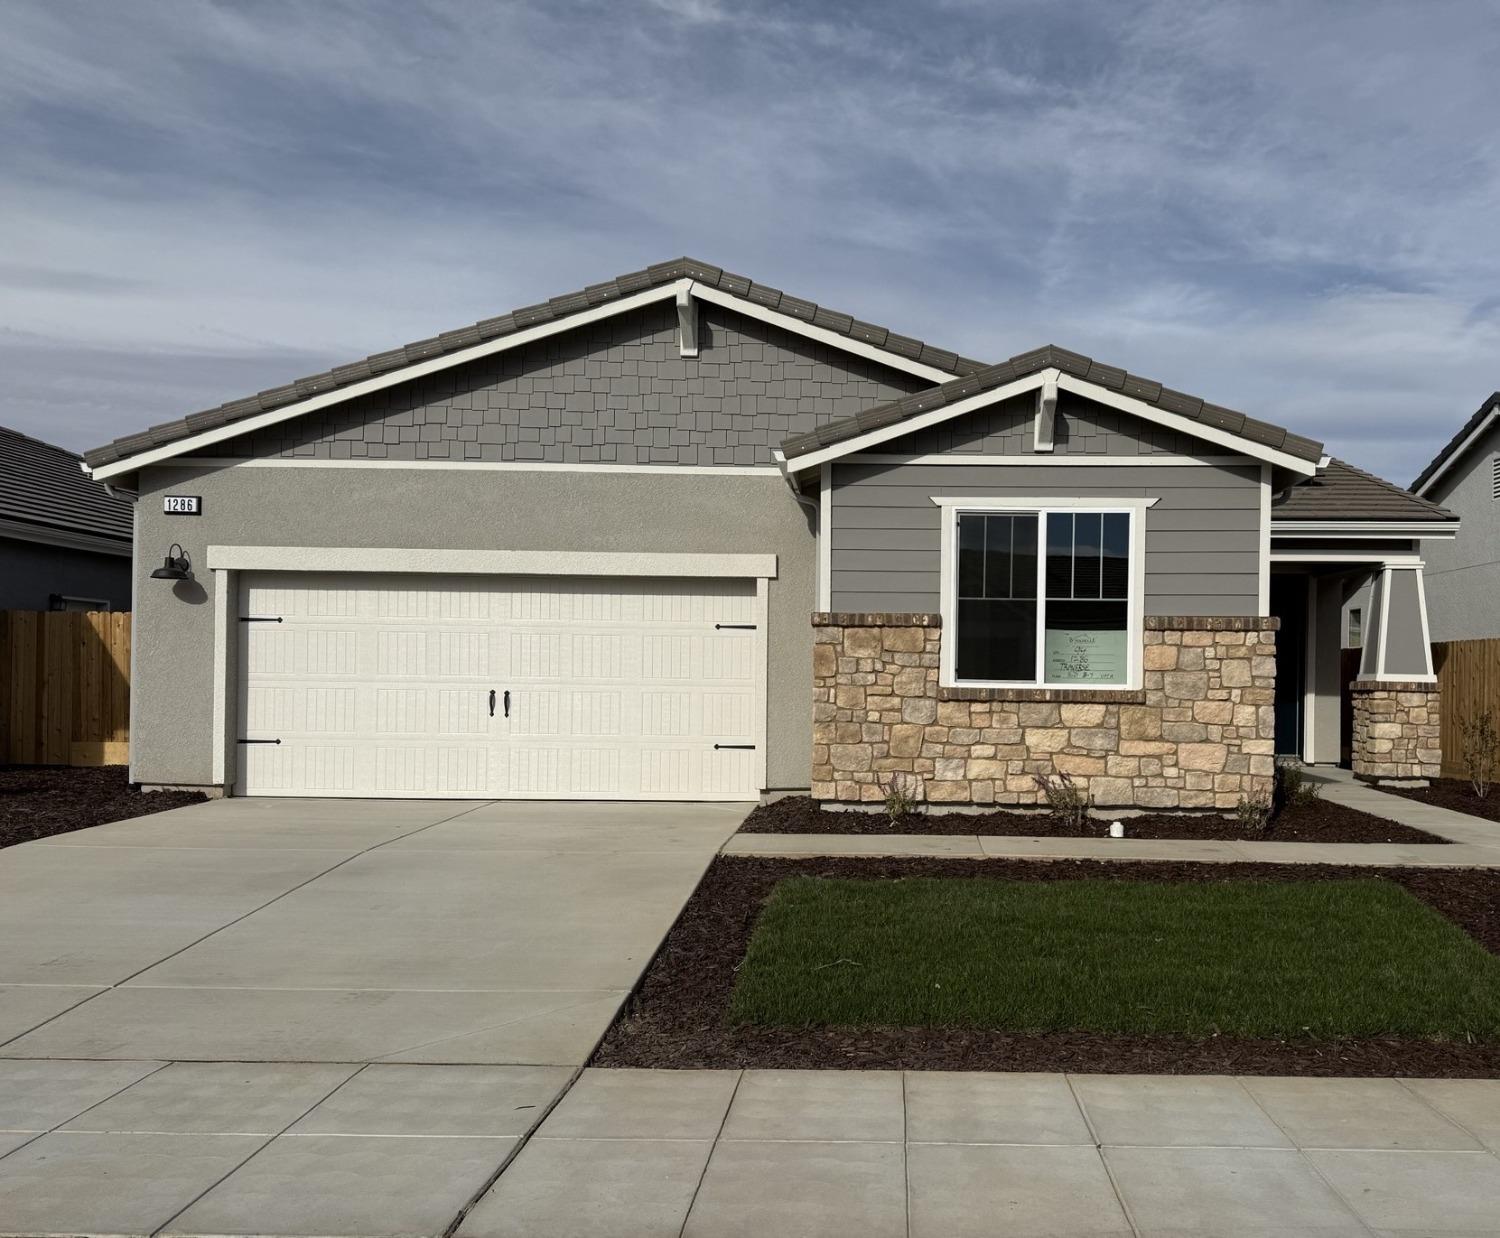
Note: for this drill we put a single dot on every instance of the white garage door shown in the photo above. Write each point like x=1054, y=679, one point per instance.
x=474, y=687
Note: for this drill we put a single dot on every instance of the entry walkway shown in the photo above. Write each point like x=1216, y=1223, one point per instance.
x=886, y=1154
x=1473, y=841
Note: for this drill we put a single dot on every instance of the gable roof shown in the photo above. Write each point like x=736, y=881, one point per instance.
x=1489, y=410
x=556, y=310
x=1026, y=364
x=1343, y=492
x=43, y=489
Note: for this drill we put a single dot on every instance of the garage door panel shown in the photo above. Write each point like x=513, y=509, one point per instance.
x=618, y=689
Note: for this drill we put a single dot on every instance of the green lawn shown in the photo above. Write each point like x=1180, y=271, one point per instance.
x=1299, y=959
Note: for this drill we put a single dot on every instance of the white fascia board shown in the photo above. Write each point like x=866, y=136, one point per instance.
x=1346, y=556
x=1426, y=530
x=674, y=291
x=876, y=457
x=1089, y=391
x=1458, y=451
x=486, y=562
x=504, y=343
x=480, y=466
x=19, y=530
x=873, y=438
x=717, y=296
x=1186, y=425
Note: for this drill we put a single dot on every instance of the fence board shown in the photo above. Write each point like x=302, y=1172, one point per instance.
x=64, y=687
x=1468, y=674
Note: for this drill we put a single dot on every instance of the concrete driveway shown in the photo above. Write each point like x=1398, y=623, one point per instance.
x=310, y=1016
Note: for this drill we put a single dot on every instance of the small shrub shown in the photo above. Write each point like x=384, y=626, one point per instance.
x=1480, y=741
x=901, y=796
x=1066, y=799
x=1296, y=789
x=1253, y=812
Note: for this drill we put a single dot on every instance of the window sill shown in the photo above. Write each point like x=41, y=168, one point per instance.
x=1081, y=696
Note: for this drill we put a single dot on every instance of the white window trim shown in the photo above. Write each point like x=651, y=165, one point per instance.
x=1135, y=508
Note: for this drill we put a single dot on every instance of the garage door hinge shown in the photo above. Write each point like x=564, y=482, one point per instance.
x=260, y=619
x=742, y=627
x=257, y=741
x=718, y=746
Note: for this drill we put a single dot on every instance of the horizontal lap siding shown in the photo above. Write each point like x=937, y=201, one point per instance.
x=1202, y=537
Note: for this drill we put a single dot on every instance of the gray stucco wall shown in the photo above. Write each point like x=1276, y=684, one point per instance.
x=171, y=736
x=30, y=572
x=616, y=391
x=1463, y=576
x=1323, y=670
x=1082, y=427
x=1202, y=537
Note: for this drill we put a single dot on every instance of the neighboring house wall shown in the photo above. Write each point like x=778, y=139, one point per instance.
x=1081, y=428
x=1202, y=537
x=30, y=572
x=615, y=392
x=1463, y=576
x=172, y=740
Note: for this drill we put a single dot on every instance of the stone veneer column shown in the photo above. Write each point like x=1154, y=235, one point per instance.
x=1199, y=733
x=1397, y=730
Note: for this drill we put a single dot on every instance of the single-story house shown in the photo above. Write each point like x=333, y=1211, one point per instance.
x=1463, y=575
x=681, y=535
x=64, y=540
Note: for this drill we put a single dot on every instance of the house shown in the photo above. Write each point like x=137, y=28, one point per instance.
x=681, y=535
x=64, y=540
x=1463, y=576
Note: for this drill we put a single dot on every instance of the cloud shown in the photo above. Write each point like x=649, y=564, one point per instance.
x=1286, y=208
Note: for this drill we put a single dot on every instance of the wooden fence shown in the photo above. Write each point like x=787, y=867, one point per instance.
x=64, y=688
x=1468, y=674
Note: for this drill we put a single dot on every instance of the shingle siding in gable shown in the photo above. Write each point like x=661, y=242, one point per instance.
x=1083, y=427
x=614, y=392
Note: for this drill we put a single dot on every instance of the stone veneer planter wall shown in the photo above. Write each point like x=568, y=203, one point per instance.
x=1397, y=730
x=1200, y=733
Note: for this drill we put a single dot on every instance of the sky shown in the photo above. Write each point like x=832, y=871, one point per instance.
x=1286, y=208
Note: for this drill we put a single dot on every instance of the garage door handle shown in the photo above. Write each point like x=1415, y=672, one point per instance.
x=738, y=627
x=492, y=702
x=717, y=747
x=507, y=702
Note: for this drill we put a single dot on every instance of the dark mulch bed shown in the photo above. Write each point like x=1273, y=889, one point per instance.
x=1317, y=821
x=1452, y=793
x=37, y=801
x=678, y=1017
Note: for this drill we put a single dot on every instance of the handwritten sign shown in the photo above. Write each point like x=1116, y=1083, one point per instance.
x=1076, y=655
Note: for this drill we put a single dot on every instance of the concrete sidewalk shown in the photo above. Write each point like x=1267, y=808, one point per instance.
x=728, y=1154
x=1473, y=841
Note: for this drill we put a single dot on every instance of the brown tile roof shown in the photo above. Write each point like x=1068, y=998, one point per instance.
x=1343, y=492
x=1468, y=428
x=1049, y=357
x=42, y=485
x=554, y=310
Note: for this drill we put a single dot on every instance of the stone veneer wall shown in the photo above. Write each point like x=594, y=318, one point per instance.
x=1397, y=729
x=1200, y=733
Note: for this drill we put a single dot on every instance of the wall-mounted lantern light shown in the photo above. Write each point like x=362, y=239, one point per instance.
x=176, y=566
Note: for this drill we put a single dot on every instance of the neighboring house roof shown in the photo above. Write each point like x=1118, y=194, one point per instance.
x=43, y=491
x=558, y=309
x=1343, y=492
x=1025, y=364
x=1488, y=411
